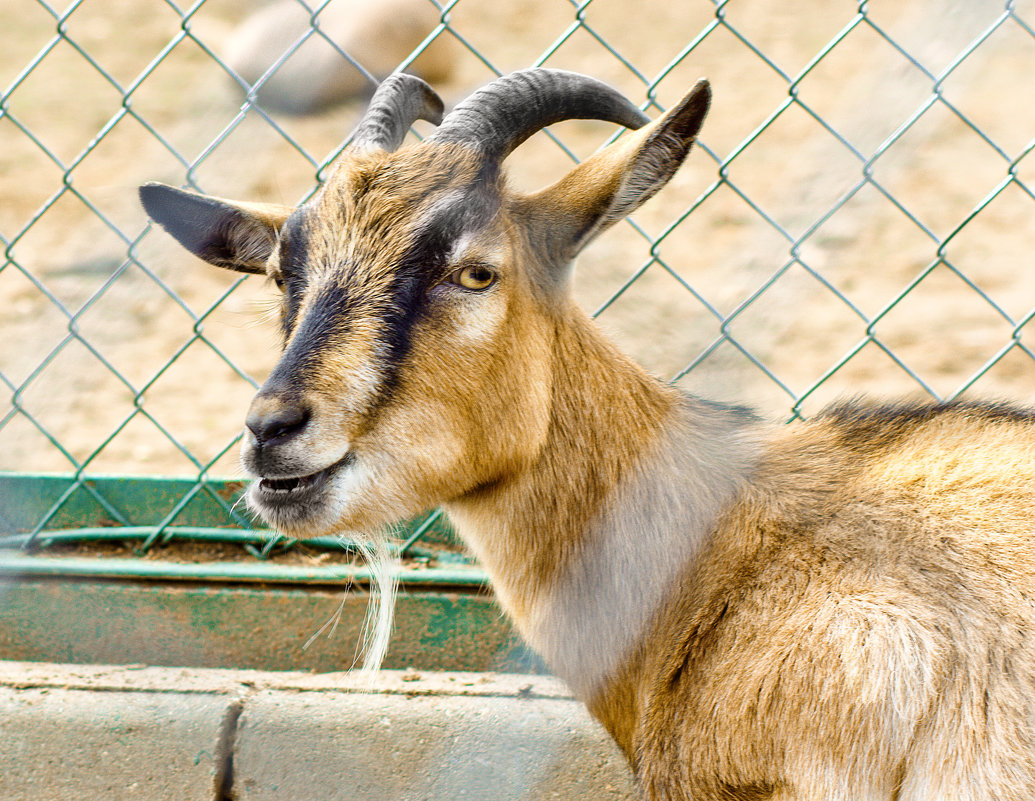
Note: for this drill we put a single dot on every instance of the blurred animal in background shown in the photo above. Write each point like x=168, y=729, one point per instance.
x=377, y=34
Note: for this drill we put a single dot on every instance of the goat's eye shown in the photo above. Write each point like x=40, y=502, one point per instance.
x=474, y=277
x=278, y=281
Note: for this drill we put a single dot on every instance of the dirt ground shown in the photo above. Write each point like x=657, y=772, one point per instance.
x=785, y=287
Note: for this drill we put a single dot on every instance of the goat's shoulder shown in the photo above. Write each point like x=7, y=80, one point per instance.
x=926, y=460
x=867, y=490
x=952, y=476
x=864, y=425
x=868, y=507
x=879, y=552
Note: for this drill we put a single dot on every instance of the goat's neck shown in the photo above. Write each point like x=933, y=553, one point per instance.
x=583, y=546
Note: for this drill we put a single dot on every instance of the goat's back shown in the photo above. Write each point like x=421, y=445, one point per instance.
x=862, y=624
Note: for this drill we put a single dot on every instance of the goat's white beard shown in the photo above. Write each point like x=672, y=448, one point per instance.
x=380, y=614
x=384, y=582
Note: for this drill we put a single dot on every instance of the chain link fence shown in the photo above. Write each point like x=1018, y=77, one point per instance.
x=859, y=217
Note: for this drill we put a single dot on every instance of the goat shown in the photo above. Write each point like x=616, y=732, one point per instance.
x=838, y=609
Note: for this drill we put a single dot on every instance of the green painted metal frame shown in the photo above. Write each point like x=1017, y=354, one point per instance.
x=41, y=511
x=58, y=604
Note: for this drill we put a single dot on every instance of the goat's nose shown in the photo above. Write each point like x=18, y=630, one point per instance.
x=271, y=419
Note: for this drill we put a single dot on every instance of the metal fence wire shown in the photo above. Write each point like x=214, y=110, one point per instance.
x=858, y=218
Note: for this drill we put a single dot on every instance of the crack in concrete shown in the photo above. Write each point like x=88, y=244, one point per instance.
x=223, y=781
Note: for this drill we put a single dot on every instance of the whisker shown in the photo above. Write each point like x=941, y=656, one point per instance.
x=332, y=622
x=238, y=502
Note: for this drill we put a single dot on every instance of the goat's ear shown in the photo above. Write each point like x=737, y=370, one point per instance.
x=237, y=236
x=618, y=180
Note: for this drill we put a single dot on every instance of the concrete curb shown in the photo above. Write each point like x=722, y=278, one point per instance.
x=153, y=733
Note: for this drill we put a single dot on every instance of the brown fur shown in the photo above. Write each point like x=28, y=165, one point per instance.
x=861, y=625
x=840, y=609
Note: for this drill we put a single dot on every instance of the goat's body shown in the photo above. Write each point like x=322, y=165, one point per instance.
x=839, y=609
x=862, y=623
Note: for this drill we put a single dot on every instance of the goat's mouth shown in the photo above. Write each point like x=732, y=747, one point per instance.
x=294, y=491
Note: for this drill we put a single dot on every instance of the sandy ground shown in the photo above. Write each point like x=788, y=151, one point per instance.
x=786, y=285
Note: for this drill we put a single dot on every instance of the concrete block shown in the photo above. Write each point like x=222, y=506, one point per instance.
x=136, y=733
x=59, y=744
x=354, y=746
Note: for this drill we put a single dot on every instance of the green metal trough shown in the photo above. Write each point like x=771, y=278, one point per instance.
x=127, y=570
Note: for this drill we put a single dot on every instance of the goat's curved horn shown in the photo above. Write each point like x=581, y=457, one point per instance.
x=398, y=101
x=499, y=117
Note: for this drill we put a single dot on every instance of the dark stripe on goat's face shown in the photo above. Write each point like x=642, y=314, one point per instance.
x=293, y=255
x=325, y=325
x=426, y=262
